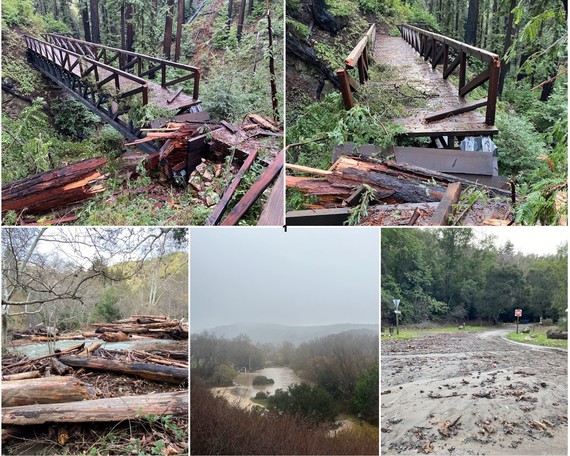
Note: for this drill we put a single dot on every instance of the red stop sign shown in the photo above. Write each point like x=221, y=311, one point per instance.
x=518, y=312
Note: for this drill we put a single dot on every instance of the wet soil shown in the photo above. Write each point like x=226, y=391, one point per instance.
x=473, y=394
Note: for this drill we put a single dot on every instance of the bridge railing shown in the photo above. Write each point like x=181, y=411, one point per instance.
x=439, y=49
x=139, y=64
x=358, y=58
x=82, y=66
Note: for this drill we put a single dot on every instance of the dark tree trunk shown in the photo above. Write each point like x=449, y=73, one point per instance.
x=546, y=90
x=86, y=26
x=168, y=29
x=130, y=38
x=95, y=35
x=323, y=17
x=241, y=18
x=472, y=22
x=179, y=22
x=506, y=45
x=249, y=8
x=123, y=31
x=230, y=11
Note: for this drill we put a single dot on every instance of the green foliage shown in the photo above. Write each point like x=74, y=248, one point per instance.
x=109, y=140
x=53, y=25
x=26, y=80
x=302, y=399
x=539, y=338
x=106, y=309
x=343, y=8
x=224, y=376
x=73, y=118
x=361, y=209
x=17, y=13
x=365, y=399
x=519, y=145
x=300, y=29
x=141, y=115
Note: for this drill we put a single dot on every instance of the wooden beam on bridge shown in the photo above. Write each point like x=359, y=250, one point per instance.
x=457, y=110
x=444, y=209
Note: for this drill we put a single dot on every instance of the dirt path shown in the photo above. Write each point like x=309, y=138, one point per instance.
x=510, y=399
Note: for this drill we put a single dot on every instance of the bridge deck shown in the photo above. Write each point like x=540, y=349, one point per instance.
x=406, y=67
x=157, y=95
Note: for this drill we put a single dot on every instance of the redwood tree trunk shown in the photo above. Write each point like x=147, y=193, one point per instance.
x=95, y=34
x=86, y=26
x=472, y=22
x=168, y=29
x=179, y=22
x=130, y=38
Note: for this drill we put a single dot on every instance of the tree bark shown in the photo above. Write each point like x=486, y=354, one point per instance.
x=506, y=45
x=179, y=22
x=472, y=22
x=130, y=34
x=99, y=410
x=45, y=390
x=241, y=19
x=95, y=33
x=168, y=29
x=145, y=370
x=86, y=25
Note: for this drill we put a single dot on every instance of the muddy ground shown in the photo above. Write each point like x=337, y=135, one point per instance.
x=473, y=394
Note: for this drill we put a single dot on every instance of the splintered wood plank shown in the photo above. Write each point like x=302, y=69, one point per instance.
x=99, y=410
x=448, y=160
x=441, y=215
x=273, y=213
x=407, y=68
x=255, y=190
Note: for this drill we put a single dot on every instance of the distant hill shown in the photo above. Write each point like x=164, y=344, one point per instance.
x=275, y=334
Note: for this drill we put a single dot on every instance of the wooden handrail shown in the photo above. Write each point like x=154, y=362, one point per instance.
x=161, y=63
x=436, y=48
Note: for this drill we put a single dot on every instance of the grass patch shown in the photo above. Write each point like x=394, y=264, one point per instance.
x=262, y=402
x=537, y=337
x=409, y=333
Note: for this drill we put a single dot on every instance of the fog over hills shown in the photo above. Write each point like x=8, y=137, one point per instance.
x=276, y=334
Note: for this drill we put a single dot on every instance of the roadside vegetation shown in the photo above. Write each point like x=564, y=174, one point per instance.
x=410, y=332
x=537, y=337
x=445, y=276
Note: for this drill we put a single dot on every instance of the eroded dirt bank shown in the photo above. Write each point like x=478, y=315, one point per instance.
x=473, y=394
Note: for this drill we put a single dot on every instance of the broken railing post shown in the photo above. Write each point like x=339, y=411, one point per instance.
x=494, y=72
x=345, y=88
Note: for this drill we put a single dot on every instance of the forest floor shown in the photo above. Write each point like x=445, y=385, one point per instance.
x=473, y=393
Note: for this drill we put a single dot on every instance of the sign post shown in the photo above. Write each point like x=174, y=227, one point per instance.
x=518, y=314
x=397, y=312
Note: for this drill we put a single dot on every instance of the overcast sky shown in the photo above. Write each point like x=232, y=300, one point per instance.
x=304, y=276
x=528, y=240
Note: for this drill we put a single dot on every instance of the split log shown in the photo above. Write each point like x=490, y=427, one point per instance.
x=56, y=188
x=144, y=370
x=44, y=390
x=404, y=191
x=90, y=349
x=99, y=410
x=21, y=375
x=443, y=211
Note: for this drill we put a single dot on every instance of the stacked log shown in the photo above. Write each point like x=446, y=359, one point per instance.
x=155, y=326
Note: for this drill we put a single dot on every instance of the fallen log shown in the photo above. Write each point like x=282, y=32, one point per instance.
x=99, y=410
x=44, y=390
x=556, y=334
x=56, y=188
x=21, y=375
x=145, y=370
x=404, y=191
x=444, y=210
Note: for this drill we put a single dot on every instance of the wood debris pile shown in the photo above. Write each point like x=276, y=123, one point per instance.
x=398, y=194
x=140, y=326
x=209, y=158
x=49, y=388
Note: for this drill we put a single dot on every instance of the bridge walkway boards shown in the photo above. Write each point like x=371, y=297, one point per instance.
x=407, y=68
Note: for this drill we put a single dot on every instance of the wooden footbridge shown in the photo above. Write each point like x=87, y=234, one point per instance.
x=427, y=62
x=111, y=82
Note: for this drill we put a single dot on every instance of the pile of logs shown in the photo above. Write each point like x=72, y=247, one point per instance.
x=41, y=390
x=395, y=187
x=138, y=326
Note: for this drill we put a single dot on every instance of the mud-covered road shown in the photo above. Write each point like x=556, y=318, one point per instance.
x=473, y=394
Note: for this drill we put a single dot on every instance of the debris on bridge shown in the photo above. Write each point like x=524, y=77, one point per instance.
x=402, y=194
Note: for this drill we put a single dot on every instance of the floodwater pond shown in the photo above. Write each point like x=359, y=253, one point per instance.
x=244, y=390
x=35, y=350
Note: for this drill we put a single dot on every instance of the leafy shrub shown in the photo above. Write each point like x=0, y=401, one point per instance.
x=365, y=399
x=547, y=322
x=262, y=380
x=305, y=400
x=224, y=376
x=26, y=80
x=17, y=12
x=73, y=118
x=107, y=309
x=109, y=140
x=261, y=395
